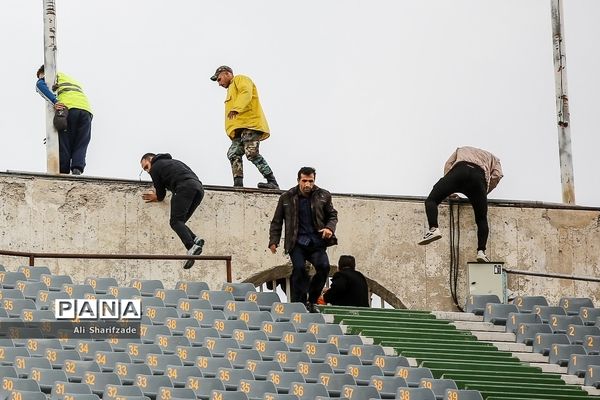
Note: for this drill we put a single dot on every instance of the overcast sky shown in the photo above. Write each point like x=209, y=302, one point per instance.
x=374, y=94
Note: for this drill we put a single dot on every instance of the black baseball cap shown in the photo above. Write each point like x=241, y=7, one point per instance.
x=219, y=70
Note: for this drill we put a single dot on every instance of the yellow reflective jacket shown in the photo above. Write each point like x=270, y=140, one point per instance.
x=70, y=93
x=242, y=97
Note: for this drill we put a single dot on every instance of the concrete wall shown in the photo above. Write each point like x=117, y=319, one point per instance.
x=85, y=215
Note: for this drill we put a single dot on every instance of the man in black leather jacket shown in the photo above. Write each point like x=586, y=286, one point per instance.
x=310, y=222
x=173, y=175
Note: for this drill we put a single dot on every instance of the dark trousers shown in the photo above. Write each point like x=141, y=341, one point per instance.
x=183, y=204
x=300, y=281
x=469, y=180
x=73, y=142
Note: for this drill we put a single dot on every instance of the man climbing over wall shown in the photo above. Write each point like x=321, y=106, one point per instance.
x=473, y=172
x=188, y=192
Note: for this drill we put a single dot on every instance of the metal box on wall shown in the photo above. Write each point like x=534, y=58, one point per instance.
x=487, y=278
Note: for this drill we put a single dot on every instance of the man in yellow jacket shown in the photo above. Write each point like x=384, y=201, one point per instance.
x=73, y=141
x=245, y=124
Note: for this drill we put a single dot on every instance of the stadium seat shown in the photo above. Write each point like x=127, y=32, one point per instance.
x=561, y=353
x=23, y=365
x=591, y=344
x=113, y=391
x=559, y=323
x=218, y=346
x=589, y=314
x=151, y=383
x=353, y=392
x=170, y=297
x=238, y=357
x=389, y=364
x=256, y=389
x=146, y=286
x=196, y=335
x=138, y=352
x=87, y=348
x=75, y=369
x=128, y=371
x=438, y=386
x=267, y=348
x=121, y=344
x=10, y=384
x=302, y=320
x=231, y=377
x=289, y=359
x=592, y=376
x=254, y=319
x=9, y=279
x=123, y=292
x=37, y=347
x=100, y=284
x=76, y=291
x=362, y=373
x=311, y=371
x=206, y=318
x=260, y=369
x=307, y=391
x=46, y=377
x=455, y=394
x=31, y=289
x=9, y=371
x=246, y=338
x=525, y=304
x=45, y=299
x=334, y=382
x=225, y=327
x=527, y=331
x=323, y=331
x=168, y=343
x=545, y=311
x=578, y=364
x=189, y=354
x=366, y=352
x=415, y=393
x=203, y=387
x=185, y=306
x=572, y=305
x=317, y=352
x=413, y=375
x=98, y=380
x=227, y=395
x=387, y=386
x=576, y=333
x=239, y=290
x=210, y=365
x=158, y=315
x=476, y=303
x=217, y=298
x=516, y=318
x=165, y=392
x=264, y=300
x=233, y=308
x=57, y=357
x=55, y=282
x=11, y=294
x=36, y=315
x=497, y=314
x=343, y=342
x=150, y=301
x=59, y=389
x=283, y=311
x=339, y=362
x=279, y=396
x=283, y=380
x=275, y=330
x=34, y=273
x=192, y=288
x=13, y=307
x=295, y=340
x=107, y=360
x=543, y=341
x=178, y=325
x=149, y=332
x=8, y=354
x=178, y=374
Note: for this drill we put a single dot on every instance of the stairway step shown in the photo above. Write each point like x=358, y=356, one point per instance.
x=495, y=336
x=477, y=326
x=552, y=368
x=512, y=347
x=457, y=316
x=531, y=357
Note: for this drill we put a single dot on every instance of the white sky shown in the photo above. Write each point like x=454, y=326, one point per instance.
x=374, y=94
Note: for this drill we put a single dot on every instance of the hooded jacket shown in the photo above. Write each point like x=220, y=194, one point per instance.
x=170, y=174
x=323, y=213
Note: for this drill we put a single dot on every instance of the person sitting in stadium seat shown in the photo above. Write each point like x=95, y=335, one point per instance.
x=348, y=286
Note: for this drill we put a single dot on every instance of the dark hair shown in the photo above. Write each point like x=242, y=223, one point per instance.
x=347, y=262
x=40, y=71
x=307, y=171
x=148, y=156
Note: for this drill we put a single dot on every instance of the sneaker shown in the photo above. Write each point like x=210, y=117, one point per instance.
x=195, y=250
x=431, y=236
x=481, y=257
x=76, y=171
x=198, y=241
x=312, y=308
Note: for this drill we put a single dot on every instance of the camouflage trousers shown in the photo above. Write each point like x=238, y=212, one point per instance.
x=247, y=142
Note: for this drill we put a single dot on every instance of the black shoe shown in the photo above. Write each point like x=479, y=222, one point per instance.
x=76, y=171
x=312, y=308
x=238, y=181
x=195, y=250
x=271, y=183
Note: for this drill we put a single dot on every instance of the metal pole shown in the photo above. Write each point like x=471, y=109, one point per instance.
x=52, y=163
x=562, y=105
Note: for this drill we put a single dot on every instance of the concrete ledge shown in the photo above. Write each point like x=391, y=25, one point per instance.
x=412, y=362
x=592, y=391
x=495, y=336
x=552, y=368
x=389, y=351
x=531, y=357
x=478, y=326
x=512, y=347
x=572, y=380
x=457, y=316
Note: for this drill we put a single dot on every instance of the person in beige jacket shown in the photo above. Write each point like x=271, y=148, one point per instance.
x=473, y=172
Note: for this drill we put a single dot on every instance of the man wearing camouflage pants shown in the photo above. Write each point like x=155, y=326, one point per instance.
x=245, y=124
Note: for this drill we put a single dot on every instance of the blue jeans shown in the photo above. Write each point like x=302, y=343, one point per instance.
x=301, y=283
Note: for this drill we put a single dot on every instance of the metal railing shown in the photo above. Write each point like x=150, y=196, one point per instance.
x=547, y=275
x=33, y=255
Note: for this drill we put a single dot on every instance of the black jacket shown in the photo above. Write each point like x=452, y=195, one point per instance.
x=348, y=288
x=323, y=213
x=168, y=174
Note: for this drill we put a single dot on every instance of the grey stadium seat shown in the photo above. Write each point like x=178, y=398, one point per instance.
x=116, y=391
x=151, y=383
x=591, y=344
x=592, y=376
x=413, y=375
x=307, y=391
x=275, y=330
x=387, y=386
x=23, y=365
x=106, y=360
x=233, y=308
x=578, y=363
x=295, y=340
x=497, y=314
x=525, y=304
x=339, y=362
x=415, y=393
x=178, y=325
x=31, y=289
x=362, y=373
x=323, y=331
x=246, y=339
x=254, y=319
x=317, y=352
x=55, y=282
x=150, y=301
x=61, y=388
x=353, y=392
x=455, y=394
x=225, y=327
x=9, y=279
x=476, y=303
x=335, y=382
x=189, y=354
x=282, y=380
x=45, y=298
x=87, y=348
x=196, y=335
x=9, y=384
x=128, y=371
x=239, y=290
x=577, y=333
x=311, y=371
x=170, y=297
x=264, y=299
x=559, y=323
x=192, y=288
x=261, y=369
x=8, y=371
x=46, y=377
x=158, y=315
x=98, y=380
x=343, y=342
x=210, y=365
x=158, y=362
x=218, y=346
x=238, y=357
x=543, y=341
x=389, y=364
x=267, y=348
x=227, y=395
x=203, y=387
x=149, y=332
x=34, y=273
x=146, y=286
x=13, y=307
x=57, y=357
x=231, y=377
x=75, y=369
x=256, y=389
x=561, y=353
x=123, y=292
x=138, y=352
x=168, y=343
x=179, y=374
x=11, y=294
x=100, y=284
x=514, y=319
x=217, y=298
x=165, y=392
x=37, y=347
x=8, y=354
x=302, y=320
x=366, y=352
x=438, y=386
x=206, y=318
x=289, y=359
x=545, y=311
x=588, y=315
x=526, y=332
x=36, y=315
x=76, y=291
x=185, y=306
x=572, y=305
x=284, y=311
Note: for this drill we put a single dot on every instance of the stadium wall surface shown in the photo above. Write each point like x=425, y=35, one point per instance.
x=40, y=213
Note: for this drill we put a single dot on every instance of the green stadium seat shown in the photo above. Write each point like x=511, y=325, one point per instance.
x=545, y=311
x=150, y=384
x=289, y=359
x=246, y=338
x=572, y=305
x=525, y=304
x=543, y=341
x=128, y=371
x=46, y=377
x=362, y=373
x=387, y=386
x=415, y=394
x=9, y=279
x=578, y=364
x=353, y=392
x=516, y=318
x=75, y=369
x=283, y=311
x=561, y=353
x=576, y=333
x=57, y=357
x=179, y=374
x=192, y=288
x=311, y=371
x=233, y=308
x=107, y=360
x=335, y=382
x=231, y=377
x=339, y=362
x=317, y=352
x=218, y=346
x=264, y=300
x=283, y=380
x=217, y=298
x=206, y=318
x=497, y=314
x=34, y=273
x=389, y=364
x=438, y=386
x=185, y=306
x=323, y=331
x=476, y=303
x=210, y=365
x=170, y=297
x=196, y=335
x=413, y=375
x=178, y=325
x=146, y=286
x=275, y=330
x=238, y=290
x=238, y=357
x=100, y=284
x=456, y=394
x=256, y=389
x=260, y=369
x=189, y=354
x=295, y=340
x=203, y=387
